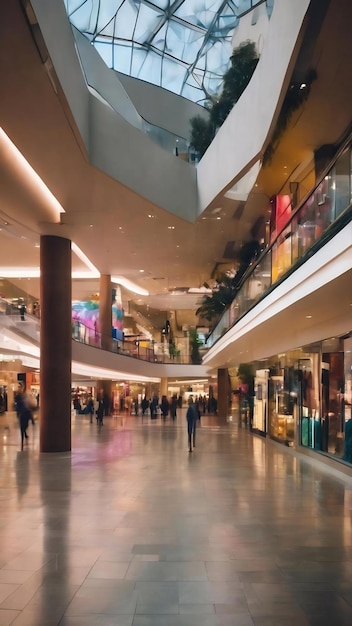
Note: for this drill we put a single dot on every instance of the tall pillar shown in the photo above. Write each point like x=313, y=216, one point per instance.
x=105, y=311
x=224, y=389
x=163, y=387
x=55, y=344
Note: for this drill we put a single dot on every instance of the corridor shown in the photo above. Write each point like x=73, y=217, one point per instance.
x=132, y=530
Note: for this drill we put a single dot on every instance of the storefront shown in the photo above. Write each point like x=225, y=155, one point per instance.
x=304, y=397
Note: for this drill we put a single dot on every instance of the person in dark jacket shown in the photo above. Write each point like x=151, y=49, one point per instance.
x=173, y=407
x=100, y=409
x=24, y=414
x=90, y=408
x=192, y=417
x=154, y=403
x=144, y=405
x=164, y=406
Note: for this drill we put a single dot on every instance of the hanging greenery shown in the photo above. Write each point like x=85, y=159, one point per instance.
x=296, y=95
x=212, y=306
x=201, y=134
x=195, y=344
x=244, y=60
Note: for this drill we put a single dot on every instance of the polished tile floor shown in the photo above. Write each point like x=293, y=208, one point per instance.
x=132, y=530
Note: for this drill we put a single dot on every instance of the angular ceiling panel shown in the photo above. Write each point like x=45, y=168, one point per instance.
x=192, y=37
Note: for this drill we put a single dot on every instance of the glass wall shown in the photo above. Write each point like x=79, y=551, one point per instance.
x=330, y=199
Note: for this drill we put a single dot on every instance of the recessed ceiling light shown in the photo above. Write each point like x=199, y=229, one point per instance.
x=141, y=271
x=171, y=227
x=90, y=225
x=36, y=245
x=308, y=317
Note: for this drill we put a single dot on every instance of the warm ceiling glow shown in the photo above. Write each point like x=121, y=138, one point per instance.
x=128, y=284
x=103, y=373
x=18, y=163
x=20, y=272
x=83, y=257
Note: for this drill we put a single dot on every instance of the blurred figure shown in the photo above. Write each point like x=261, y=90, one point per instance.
x=22, y=311
x=144, y=405
x=164, y=406
x=90, y=408
x=154, y=403
x=173, y=407
x=191, y=416
x=24, y=412
x=100, y=409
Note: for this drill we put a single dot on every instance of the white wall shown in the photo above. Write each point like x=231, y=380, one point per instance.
x=114, y=146
x=57, y=33
x=132, y=158
x=105, y=81
x=161, y=107
x=240, y=140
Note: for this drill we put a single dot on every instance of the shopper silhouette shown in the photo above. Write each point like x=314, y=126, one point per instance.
x=24, y=413
x=192, y=416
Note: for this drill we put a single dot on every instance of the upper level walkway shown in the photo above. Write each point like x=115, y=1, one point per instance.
x=20, y=338
x=132, y=530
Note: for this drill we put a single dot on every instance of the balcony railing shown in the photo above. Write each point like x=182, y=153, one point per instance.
x=321, y=215
x=29, y=327
x=153, y=353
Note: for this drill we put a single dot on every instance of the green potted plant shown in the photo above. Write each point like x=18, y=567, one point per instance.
x=194, y=344
x=243, y=60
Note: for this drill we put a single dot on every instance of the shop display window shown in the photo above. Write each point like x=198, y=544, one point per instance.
x=281, y=402
x=260, y=411
x=309, y=404
x=347, y=399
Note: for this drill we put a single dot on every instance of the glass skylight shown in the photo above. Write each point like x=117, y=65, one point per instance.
x=183, y=46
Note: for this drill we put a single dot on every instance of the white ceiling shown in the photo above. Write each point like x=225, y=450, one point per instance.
x=119, y=231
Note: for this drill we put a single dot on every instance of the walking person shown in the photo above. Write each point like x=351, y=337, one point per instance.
x=100, y=410
x=24, y=414
x=144, y=405
x=164, y=406
x=192, y=417
x=173, y=407
x=90, y=408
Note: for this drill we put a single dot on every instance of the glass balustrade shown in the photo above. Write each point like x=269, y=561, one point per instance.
x=316, y=219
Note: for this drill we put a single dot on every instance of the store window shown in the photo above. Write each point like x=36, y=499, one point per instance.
x=347, y=399
x=332, y=382
x=260, y=411
x=309, y=405
x=282, y=401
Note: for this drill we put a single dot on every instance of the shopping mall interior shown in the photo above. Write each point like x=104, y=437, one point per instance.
x=175, y=224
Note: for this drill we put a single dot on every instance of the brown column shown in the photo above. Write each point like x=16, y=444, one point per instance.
x=223, y=392
x=163, y=386
x=55, y=344
x=105, y=311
